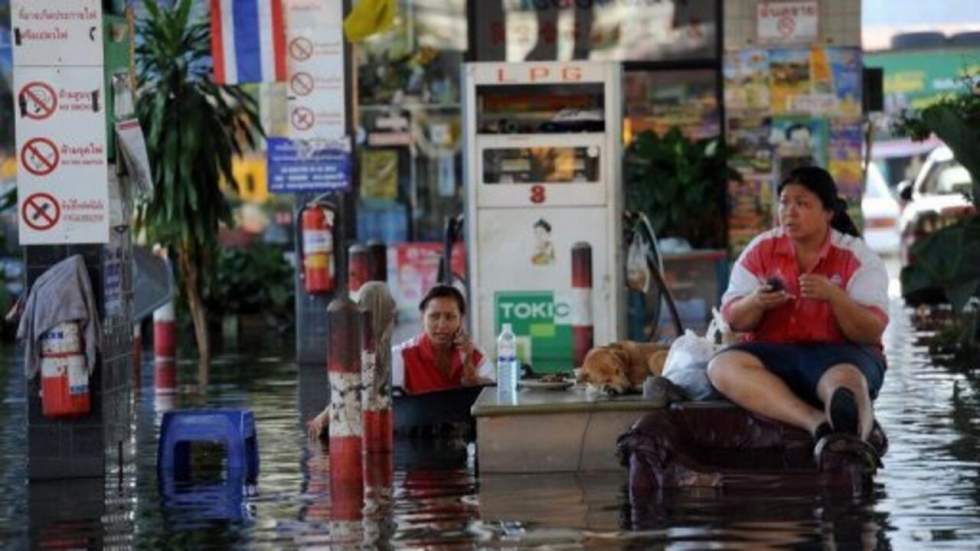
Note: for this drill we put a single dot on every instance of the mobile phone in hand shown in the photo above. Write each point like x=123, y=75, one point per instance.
x=775, y=284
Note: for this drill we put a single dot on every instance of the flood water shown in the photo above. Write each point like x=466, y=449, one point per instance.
x=927, y=497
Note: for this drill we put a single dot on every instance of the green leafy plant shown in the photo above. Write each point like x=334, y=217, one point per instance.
x=193, y=129
x=252, y=280
x=948, y=257
x=679, y=184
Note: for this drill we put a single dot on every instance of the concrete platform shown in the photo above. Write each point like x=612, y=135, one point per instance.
x=552, y=431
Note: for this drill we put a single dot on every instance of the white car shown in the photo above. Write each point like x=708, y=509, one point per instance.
x=880, y=212
x=934, y=200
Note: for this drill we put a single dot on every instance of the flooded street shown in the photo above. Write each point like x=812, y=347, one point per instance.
x=927, y=497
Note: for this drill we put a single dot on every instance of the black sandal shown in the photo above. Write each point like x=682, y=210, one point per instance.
x=845, y=445
x=844, y=412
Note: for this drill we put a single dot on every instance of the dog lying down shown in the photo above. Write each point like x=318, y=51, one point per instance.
x=621, y=367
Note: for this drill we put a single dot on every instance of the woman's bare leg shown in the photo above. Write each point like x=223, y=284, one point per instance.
x=743, y=379
x=848, y=376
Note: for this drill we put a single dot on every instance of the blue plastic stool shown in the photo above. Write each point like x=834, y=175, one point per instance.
x=235, y=428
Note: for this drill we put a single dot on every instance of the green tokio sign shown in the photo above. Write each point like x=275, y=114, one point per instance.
x=542, y=322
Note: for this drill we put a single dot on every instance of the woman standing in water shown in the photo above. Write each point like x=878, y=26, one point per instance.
x=443, y=356
x=812, y=298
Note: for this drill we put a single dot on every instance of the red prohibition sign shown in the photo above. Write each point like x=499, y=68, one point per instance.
x=37, y=101
x=39, y=156
x=41, y=211
x=786, y=25
x=301, y=84
x=302, y=118
x=300, y=48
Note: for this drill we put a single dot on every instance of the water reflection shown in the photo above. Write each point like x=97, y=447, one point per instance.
x=429, y=494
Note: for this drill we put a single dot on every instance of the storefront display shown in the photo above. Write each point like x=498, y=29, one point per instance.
x=812, y=116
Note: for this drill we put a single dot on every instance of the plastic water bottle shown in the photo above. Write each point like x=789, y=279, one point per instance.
x=507, y=369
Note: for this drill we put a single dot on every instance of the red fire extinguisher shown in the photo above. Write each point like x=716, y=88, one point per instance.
x=317, y=248
x=64, y=373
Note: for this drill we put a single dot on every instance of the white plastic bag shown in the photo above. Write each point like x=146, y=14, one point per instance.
x=637, y=270
x=687, y=363
x=719, y=334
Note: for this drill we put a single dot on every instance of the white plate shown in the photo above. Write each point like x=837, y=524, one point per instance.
x=535, y=384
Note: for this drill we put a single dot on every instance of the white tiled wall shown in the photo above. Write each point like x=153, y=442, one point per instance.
x=839, y=24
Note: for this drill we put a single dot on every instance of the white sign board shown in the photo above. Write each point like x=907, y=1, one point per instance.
x=56, y=32
x=316, y=106
x=787, y=22
x=62, y=172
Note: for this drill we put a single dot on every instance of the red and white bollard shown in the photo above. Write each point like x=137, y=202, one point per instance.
x=379, y=474
x=165, y=376
x=164, y=332
x=377, y=260
x=137, y=352
x=346, y=421
x=376, y=379
x=580, y=303
x=358, y=269
x=165, y=387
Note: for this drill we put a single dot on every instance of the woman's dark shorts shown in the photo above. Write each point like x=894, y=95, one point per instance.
x=802, y=365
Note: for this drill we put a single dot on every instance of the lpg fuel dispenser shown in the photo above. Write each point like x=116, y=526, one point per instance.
x=544, y=207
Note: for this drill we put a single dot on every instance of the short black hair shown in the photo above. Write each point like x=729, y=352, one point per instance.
x=542, y=223
x=444, y=291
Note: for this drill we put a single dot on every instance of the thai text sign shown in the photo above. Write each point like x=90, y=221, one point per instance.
x=787, y=22
x=59, y=108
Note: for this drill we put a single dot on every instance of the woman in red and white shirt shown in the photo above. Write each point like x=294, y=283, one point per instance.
x=812, y=298
x=443, y=356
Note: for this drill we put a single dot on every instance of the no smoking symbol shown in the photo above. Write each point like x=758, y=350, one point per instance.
x=39, y=156
x=41, y=211
x=786, y=25
x=301, y=84
x=300, y=49
x=302, y=118
x=37, y=101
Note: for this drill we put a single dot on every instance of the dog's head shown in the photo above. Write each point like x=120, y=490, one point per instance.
x=605, y=368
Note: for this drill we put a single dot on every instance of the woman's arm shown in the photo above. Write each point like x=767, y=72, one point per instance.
x=858, y=322
x=471, y=375
x=745, y=313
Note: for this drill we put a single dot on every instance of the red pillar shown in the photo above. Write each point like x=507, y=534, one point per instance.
x=164, y=332
x=346, y=423
x=581, y=301
x=378, y=428
x=377, y=260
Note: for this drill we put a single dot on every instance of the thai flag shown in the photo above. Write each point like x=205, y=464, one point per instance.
x=248, y=41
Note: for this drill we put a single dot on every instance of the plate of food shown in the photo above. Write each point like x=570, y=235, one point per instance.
x=551, y=381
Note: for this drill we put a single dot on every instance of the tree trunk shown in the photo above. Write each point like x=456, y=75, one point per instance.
x=192, y=289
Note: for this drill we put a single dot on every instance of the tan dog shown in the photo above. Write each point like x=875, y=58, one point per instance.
x=622, y=366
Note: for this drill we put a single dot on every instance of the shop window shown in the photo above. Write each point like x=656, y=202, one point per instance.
x=410, y=119
x=617, y=30
x=659, y=100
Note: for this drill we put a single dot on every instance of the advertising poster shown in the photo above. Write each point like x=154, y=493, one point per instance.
x=846, y=67
x=751, y=212
x=746, y=75
x=799, y=137
x=542, y=322
x=414, y=268
x=379, y=174
x=845, y=159
x=748, y=140
x=790, y=70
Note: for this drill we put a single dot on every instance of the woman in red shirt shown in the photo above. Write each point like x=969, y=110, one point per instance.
x=812, y=298
x=443, y=356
